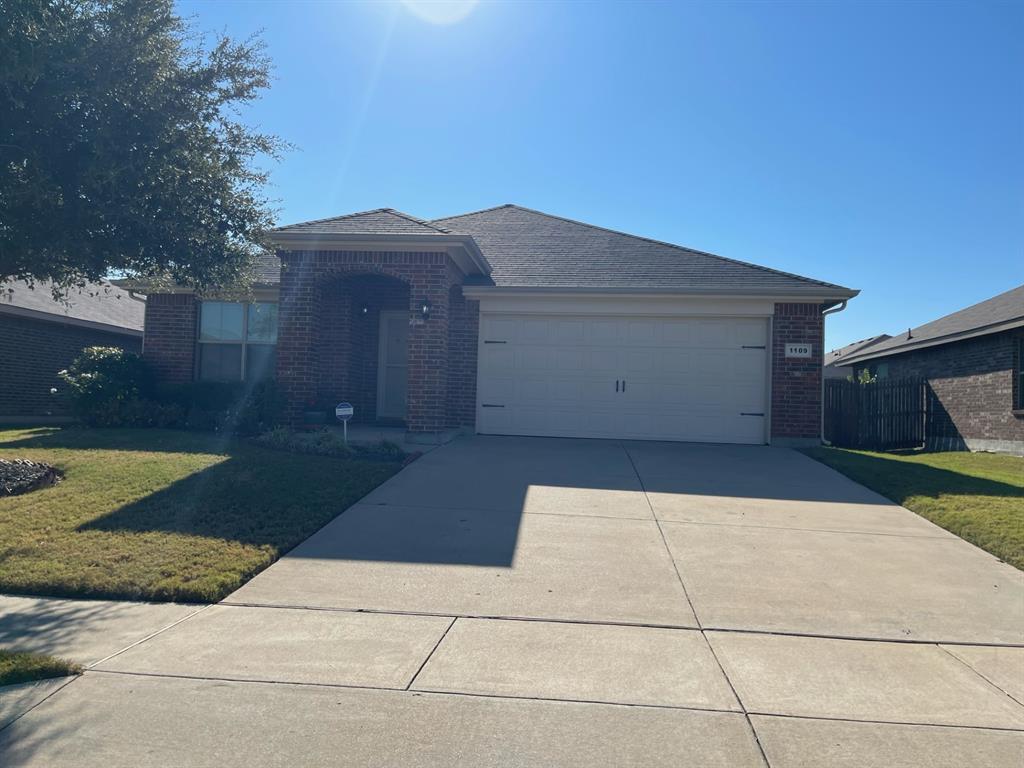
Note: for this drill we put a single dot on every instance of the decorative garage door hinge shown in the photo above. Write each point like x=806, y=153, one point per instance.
x=490, y=405
x=750, y=414
x=752, y=346
x=488, y=341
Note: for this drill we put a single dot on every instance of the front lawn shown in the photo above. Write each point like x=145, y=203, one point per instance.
x=163, y=515
x=977, y=496
x=24, y=667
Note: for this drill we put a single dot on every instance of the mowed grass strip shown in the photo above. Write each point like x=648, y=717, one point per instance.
x=163, y=514
x=977, y=496
x=24, y=667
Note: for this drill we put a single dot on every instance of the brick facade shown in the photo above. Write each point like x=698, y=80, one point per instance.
x=170, y=346
x=971, y=385
x=309, y=281
x=796, y=382
x=33, y=351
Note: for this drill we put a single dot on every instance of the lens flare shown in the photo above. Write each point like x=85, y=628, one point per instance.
x=441, y=12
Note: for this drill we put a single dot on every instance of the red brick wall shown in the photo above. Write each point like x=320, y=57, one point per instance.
x=170, y=341
x=33, y=351
x=796, y=382
x=463, y=331
x=972, y=386
x=349, y=340
x=306, y=275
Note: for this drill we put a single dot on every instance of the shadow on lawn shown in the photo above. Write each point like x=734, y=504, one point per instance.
x=124, y=439
x=901, y=480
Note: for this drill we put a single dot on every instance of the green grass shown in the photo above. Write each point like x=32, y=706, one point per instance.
x=163, y=514
x=977, y=496
x=23, y=667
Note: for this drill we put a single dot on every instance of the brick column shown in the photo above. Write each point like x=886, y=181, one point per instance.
x=296, y=333
x=796, y=381
x=170, y=340
x=427, y=409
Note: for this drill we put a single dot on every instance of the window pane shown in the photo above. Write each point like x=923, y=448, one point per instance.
x=259, y=361
x=263, y=322
x=220, y=321
x=220, y=362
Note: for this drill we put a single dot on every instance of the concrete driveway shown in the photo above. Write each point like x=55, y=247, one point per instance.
x=514, y=601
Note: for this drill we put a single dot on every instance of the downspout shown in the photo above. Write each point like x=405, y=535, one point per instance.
x=832, y=311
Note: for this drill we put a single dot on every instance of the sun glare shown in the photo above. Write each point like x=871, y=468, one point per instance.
x=441, y=11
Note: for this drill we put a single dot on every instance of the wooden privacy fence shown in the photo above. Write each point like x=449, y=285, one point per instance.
x=886, y=415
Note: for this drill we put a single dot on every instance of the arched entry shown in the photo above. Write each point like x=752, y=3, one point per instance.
x=363, y=345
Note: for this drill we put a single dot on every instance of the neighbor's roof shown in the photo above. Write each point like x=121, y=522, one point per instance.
x=838, y=356
x=380, y=221
x=531, y=249
x=999, y=313
x=97, y=305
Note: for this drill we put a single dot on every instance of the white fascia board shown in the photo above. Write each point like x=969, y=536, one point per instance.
x=462, y=248
x=911, y=346
x=625, y=305
x=817, y=295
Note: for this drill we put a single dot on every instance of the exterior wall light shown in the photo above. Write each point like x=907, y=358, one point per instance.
x=364, y=310
x=425, y=308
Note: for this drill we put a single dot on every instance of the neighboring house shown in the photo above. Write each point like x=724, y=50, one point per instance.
x=835, y=366
x=513, y=322
x=971, y=360
x=40, y=336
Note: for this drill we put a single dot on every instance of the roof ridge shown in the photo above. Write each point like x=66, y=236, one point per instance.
x=334, y=218
x=656, y=242
x=473, y=213
x=415, y=219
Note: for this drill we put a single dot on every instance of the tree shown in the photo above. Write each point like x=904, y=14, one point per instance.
x=121, y=147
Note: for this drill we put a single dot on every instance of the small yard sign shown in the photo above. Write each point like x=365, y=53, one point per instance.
x=344, y=411
x=798, y=350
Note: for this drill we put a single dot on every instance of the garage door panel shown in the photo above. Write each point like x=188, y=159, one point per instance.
x=685, y=378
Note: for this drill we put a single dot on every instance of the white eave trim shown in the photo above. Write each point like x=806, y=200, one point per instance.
x=816, y=295
x=462, y=248
x=912, y=346
x=50, y=317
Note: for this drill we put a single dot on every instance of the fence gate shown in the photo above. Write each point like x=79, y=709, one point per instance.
x=882, y=416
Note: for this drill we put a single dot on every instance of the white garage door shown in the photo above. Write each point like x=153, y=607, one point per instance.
x=700, y=379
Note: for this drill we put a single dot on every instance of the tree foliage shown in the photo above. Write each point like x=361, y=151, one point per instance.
x=122, y=150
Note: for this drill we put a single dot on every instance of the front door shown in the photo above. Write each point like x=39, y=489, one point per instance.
x=393, y=365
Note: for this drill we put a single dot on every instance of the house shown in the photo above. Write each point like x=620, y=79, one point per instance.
x=971, y=361
x=835, y=366
x=510, y=321
x=40, y=335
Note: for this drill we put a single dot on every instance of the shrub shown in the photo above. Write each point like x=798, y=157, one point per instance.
x=237, y=407
x=326, y=442
x=103, y=381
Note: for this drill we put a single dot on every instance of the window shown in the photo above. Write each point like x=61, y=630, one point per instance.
x=237, y=341
x=1019, y=404
x=882, y=371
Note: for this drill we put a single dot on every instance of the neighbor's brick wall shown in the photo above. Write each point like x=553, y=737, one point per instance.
x=972, y=385
x=796, y=382
x=170, y=342
x=463, y=332
x=304, y=278
x=31, y=353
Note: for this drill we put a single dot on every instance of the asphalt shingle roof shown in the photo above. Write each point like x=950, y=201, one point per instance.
x=838, y=356
x=531, y=249
x=381, y=221
x=1004, y=308
x=94, y=303
x=528, y=248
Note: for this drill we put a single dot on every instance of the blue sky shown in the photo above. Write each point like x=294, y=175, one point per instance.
x=879, y=146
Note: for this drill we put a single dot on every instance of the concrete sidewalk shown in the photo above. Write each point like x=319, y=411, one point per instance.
x=508, y=601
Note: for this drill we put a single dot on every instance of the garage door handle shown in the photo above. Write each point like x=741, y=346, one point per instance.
x=616, y=385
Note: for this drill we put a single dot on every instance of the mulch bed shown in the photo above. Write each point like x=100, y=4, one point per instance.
x=22, y=476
